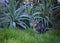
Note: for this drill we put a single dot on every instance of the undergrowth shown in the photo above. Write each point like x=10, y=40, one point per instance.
x=12, y=35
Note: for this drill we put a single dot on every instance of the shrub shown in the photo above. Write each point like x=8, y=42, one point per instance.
x=14, y=16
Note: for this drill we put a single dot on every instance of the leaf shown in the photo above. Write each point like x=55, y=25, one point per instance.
x=24, y=15
x=37, y=13
x=21, y=23
x=11, y=7
x=19, y=11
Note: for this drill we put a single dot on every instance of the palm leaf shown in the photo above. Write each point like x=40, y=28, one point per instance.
x=23, y=25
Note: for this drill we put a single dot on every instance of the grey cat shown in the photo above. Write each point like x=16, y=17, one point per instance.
x=39, y=27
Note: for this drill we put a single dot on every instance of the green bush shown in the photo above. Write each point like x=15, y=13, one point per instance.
x=14, y=16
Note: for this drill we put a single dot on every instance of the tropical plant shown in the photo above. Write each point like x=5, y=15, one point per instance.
x=15, y=16
x=42, y=12
x=43, y=15
x=56, y=15
x=3, y=7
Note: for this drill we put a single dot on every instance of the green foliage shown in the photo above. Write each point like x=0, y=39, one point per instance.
x=4, y=20
x=55, y=11
x=42, y=12
x=3, y=9
x=2, y=34
x=15, y=16
x=18, y=36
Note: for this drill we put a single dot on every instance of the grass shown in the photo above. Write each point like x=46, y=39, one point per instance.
x=12, y=35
